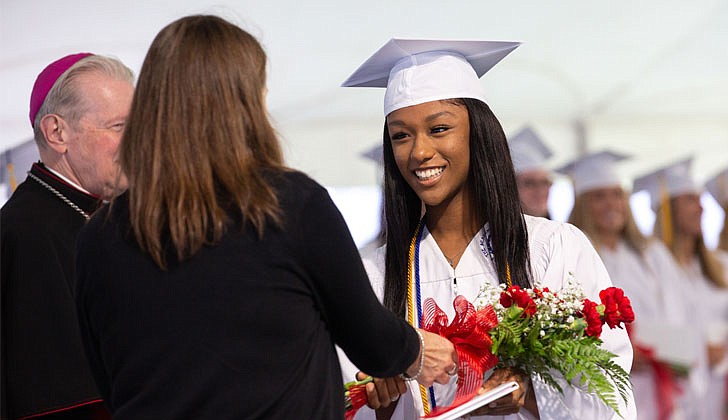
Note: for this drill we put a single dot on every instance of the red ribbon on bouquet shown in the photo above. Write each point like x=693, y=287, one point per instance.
x=469, y=333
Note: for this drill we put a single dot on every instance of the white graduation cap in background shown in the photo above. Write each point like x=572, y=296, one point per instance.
x=664, y=183
x=16, y=161
x=375, y=154
x=668, y=181
x=717, y=186
x=528, y=151
x=593, y=171
x=416, y=71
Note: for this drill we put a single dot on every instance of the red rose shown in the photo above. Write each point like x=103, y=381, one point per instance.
x=611, y=310
x=593, y=320
x=523, y=300
x=625, y=310
x=505, y=299
x=617, y=308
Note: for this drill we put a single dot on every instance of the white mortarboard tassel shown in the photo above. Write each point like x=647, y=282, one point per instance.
x=670, y=181
x=416, y=71
x=717, y=186
x=593, y=171
x=528, y=151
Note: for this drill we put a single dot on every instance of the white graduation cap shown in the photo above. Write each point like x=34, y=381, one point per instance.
x=416, y=71
x=528, y=151
x=595, y=170
x=717, y=186
x=669, y=181
x=16, y=161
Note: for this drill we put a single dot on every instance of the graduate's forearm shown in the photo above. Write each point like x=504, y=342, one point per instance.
x=530, y=403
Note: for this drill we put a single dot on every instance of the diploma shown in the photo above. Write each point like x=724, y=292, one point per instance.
x=477, y=402
x=677, y=345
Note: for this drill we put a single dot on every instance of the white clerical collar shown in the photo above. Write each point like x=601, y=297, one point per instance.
x=68, y=181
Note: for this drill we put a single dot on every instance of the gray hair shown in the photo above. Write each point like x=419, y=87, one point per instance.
x=64, y=97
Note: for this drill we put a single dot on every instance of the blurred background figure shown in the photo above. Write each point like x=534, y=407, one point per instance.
x=676, y=199
x=533, y=178
x=644, y=268
x=717, y=186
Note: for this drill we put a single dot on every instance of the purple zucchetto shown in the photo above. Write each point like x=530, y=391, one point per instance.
x=47, y=78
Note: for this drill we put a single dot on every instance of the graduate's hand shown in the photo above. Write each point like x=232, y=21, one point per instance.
x=440, y=358
x=511, y=403
x=383, y=391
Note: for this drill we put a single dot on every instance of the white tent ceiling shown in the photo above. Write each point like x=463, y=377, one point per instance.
x=648, y=78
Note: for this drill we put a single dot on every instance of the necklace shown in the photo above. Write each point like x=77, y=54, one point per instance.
x=59, y=195
x=451, y=261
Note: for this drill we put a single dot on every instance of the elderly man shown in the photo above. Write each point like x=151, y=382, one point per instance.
x=78, y=108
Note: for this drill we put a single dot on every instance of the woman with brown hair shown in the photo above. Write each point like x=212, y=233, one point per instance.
x=218, y=284
x=676, y=200
x=644, y=268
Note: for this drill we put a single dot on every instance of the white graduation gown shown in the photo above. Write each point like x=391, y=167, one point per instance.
x=558, y=251
x=659, y=296
x=711, y=312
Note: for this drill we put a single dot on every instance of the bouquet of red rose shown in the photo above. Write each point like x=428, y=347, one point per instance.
x=535, y=330
x=540, y=331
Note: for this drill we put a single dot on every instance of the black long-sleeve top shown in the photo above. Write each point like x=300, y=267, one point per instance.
x=245, y=328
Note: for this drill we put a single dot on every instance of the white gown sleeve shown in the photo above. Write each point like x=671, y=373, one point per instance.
x=557, y=254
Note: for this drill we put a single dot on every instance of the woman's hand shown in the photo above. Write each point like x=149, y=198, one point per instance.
x=439, y=363
x=511, y=403
x=383, y=391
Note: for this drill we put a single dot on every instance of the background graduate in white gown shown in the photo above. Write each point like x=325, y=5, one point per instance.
x=718, y=188
x=676, y=199
x=533, y=178
x=647, y=273
x=445, y=153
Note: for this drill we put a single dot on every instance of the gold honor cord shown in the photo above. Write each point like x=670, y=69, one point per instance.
x=509, y=283
x=411, y=310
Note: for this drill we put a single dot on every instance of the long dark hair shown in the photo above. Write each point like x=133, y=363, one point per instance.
x=493, y=183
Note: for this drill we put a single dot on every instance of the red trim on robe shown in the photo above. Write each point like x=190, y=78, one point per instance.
x=58, y=410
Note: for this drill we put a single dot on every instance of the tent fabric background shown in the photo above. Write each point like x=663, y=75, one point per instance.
x=648, y=78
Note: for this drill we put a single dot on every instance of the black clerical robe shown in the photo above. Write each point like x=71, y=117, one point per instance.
x=44, y=369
